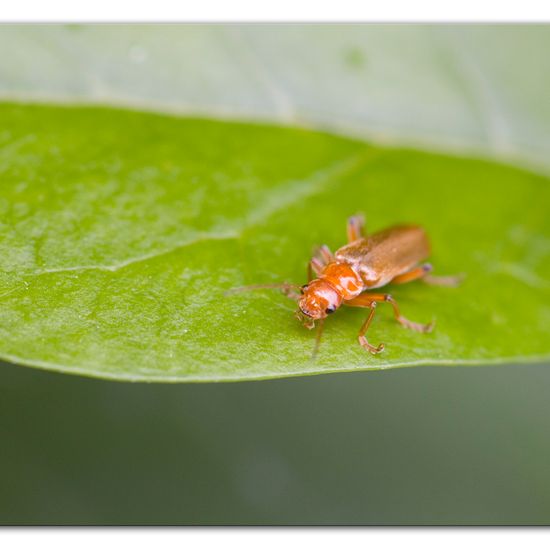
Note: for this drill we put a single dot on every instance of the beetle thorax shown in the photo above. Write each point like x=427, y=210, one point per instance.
x=344, y=279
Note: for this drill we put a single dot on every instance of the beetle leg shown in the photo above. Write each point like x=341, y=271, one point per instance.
x=315, y=266
x=424, y=272
x=369, y=301
x=366, y=299
x=364, y=327
x=319, y=261
x=449, y=280
x=325, y=254
x=419, y=272
x=418, y=327
x=355, y=228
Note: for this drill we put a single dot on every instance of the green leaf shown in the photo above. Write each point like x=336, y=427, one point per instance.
x=120, y=232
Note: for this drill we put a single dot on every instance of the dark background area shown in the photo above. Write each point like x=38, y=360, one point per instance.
x=425, y=445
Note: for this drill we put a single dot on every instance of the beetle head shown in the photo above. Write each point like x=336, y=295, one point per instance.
x=319, y=299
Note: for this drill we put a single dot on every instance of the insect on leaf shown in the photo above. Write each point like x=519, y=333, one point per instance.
x=120, y=233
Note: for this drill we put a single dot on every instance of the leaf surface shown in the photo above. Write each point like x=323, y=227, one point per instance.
x=120, y=233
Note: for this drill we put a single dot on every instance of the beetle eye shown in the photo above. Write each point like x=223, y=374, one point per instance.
x=330, y=310
x=303, y=288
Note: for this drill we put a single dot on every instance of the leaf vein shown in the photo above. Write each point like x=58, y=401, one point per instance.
x=280, y=199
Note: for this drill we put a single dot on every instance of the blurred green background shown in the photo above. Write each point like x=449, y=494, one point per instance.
x=410, y=446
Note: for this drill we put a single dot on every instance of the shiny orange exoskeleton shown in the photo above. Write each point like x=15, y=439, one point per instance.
x=365, y=263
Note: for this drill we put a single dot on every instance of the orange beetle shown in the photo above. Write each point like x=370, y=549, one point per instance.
x=365, y=263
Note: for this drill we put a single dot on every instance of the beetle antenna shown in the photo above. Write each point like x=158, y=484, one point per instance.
x=287, y=287
x=320, y=326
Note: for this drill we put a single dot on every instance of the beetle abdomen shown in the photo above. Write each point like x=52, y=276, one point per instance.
x=382, y=256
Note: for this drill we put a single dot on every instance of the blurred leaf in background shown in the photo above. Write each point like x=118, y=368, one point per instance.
x=480, y=89
x=410, y=446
